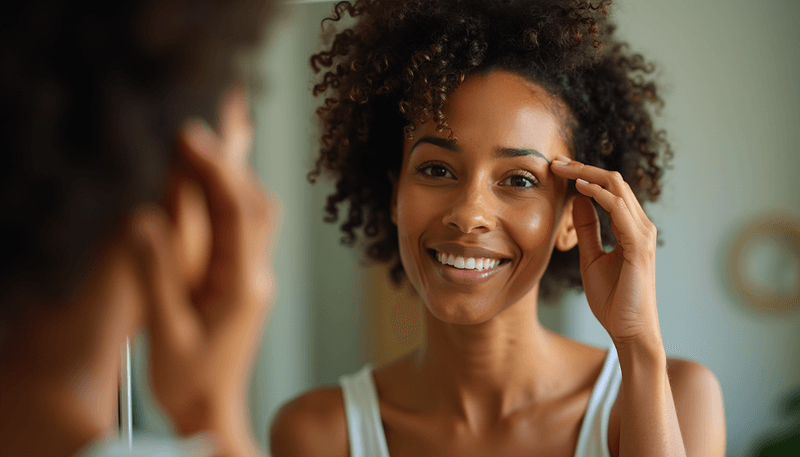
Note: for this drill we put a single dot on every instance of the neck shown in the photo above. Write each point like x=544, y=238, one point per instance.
x=61, y=366
x=486, y=371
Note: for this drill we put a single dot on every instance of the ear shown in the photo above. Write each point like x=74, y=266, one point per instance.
x=566, y=236
x=188, y=212
x=393, y=178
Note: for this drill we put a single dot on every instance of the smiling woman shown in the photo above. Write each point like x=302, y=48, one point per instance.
x=488, y=198
x=475, y=143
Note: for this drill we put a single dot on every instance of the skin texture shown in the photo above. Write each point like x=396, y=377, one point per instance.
x=61, y=368
x=490, y=380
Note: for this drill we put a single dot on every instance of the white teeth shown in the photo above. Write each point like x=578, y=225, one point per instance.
x=469, y=263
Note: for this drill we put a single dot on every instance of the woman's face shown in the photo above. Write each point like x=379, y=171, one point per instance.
x=478, y=219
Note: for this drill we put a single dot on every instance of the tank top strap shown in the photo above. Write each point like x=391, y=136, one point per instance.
x=364, y=426
x=593, y=437
x=367, y=438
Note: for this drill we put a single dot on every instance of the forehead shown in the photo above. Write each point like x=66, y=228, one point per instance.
x=502, y=109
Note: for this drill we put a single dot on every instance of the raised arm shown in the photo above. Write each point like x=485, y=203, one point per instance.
x=204, y=334
x=666, y=409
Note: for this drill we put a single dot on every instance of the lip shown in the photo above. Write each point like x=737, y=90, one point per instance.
x=467, y=251
x=464, y=276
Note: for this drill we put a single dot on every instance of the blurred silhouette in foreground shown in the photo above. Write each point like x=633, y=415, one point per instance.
x=123, y=209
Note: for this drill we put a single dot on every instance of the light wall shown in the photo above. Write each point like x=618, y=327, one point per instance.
x=315, y=333
x=732, y=115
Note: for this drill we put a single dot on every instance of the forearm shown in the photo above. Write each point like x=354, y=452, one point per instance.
x=648, y=420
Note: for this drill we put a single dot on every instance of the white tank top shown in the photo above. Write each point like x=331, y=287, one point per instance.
x=365, y=429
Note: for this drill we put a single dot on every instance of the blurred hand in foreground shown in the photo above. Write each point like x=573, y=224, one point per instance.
x=208, y=266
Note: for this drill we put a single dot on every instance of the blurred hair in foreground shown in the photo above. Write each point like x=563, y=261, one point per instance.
x=92, y=98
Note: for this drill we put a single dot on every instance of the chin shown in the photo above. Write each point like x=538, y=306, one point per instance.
x=460, y=313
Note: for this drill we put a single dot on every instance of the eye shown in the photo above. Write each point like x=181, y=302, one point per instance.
x=521, y=180
x=434, y=170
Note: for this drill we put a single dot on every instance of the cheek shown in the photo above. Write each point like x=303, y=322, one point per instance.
x=417, y=208
x=415, y=212
x=533, y=231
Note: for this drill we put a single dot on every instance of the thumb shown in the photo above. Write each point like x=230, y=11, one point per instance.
x=172, y=325
x=587, y=227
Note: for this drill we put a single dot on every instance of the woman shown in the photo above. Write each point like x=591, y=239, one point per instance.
x=123, y=210
x=470, y=140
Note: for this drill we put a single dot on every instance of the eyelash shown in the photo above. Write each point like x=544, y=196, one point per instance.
x=424, y=169
x=526, y=176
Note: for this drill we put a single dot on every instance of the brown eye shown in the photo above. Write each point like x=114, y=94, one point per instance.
x=437, y=171
x=434, y=170
x=520, y=181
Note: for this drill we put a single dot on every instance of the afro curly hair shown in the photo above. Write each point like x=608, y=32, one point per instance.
x=396, y=66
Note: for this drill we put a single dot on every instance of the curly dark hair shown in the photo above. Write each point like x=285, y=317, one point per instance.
x=91, y=101
x=396, y=66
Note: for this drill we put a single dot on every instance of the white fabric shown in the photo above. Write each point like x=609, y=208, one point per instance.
x=365, y=429
x=593, y=438
x=364, y=426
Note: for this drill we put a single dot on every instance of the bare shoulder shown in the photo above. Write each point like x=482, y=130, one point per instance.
x=313, y=424
x=698, y=404
x=694, y=383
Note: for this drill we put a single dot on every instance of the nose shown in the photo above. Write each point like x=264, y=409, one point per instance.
x=472, y=208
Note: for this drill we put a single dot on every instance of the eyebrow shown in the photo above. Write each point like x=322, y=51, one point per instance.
x=518, y=152
x=444, y=143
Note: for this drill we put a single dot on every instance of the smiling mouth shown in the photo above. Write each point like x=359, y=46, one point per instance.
x=467, y=263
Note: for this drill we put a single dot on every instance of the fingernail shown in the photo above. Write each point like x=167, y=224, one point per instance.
x=581, y=181
x=199, y=134
x=564, y=159
x=560, y=164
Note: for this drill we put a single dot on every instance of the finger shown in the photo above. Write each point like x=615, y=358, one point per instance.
x=172, y=320
x=587, y=226
x=615, y=230
x=242, y=227
x=265, y=239
x=222, y=183
x=236, y=127
x=617, y=209
x=609, y=180
x=191, y=227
